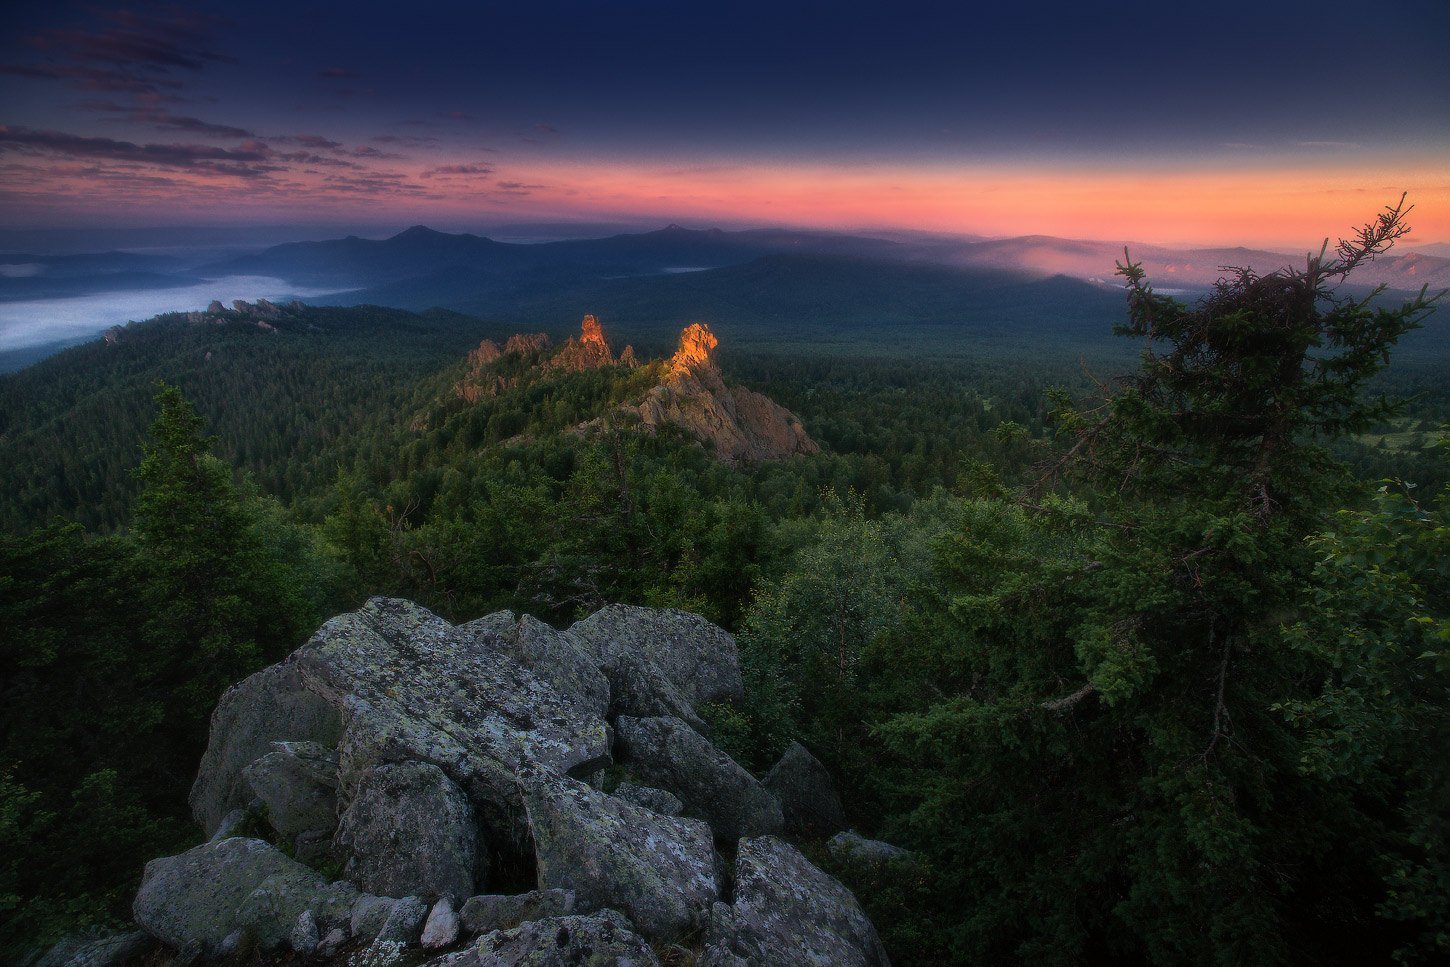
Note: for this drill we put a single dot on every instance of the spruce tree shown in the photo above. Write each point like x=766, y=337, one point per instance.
x=205, y=582
x=1110, y=766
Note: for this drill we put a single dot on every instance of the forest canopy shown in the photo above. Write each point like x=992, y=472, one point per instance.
x=1149, y=667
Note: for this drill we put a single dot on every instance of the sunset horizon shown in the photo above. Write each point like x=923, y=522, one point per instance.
x=1129, y=126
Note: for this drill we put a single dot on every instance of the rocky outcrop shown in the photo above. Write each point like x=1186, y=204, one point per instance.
x=806, y=793
x=589, y=351
x=413, y=755
x=711, y=786
x=526, y=343
x=476, y=383
x=486, y=352
x=736, y=424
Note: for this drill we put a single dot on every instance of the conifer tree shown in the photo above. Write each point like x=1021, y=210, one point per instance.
x=1111, y=768
x=206, y=582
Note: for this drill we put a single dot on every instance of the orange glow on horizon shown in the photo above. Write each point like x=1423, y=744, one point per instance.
x=1271, y=206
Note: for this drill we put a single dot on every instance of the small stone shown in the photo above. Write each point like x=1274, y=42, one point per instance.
x=369, y=913
x=441, y=928
x=404, y=920
x=305, y=937
x=335, y=938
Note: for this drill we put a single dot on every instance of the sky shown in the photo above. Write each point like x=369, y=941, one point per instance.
x=1265, y=123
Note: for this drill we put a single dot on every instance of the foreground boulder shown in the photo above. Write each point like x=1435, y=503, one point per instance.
x=415, y=688
x=659, y=870
x=655, y=800
x=806, y=794
x=92, y=949
x=198, y=898
x=409, y=831
x=667, y=753
x=788, y=912
x=408, y=750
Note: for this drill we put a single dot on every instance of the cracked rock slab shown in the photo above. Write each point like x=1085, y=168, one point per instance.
x=412, y=687
x=788, y=912
x=658, y=870
x=665, y=752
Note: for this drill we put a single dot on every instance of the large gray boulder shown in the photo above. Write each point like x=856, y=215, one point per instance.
x=414, y=688
x=409, y=830
x=659, y=870
x=270, y=706
x=297, y=785
x=788, y=912
x=850, y=846
x=806, y=794
x=199, y=897
x=488, y=912
x=557, y=657
x=603, y=939
x=662, y=661
x=667, y=753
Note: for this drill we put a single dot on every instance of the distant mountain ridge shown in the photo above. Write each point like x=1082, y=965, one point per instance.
x=759, y=283
x=424, y=258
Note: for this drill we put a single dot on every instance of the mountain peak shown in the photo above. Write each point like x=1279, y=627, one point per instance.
x=417, y=231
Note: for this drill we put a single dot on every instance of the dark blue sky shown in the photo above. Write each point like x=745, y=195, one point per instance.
x=253, y=110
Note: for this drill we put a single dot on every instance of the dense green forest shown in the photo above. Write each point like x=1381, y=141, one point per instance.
x=1144, y=656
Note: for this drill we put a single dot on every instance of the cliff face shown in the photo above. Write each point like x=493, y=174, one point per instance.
x=739, y=425
x=456, y=775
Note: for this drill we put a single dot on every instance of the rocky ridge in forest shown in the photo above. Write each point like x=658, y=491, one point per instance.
x=737, y=425
x=498, y=792
x=262, y=314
